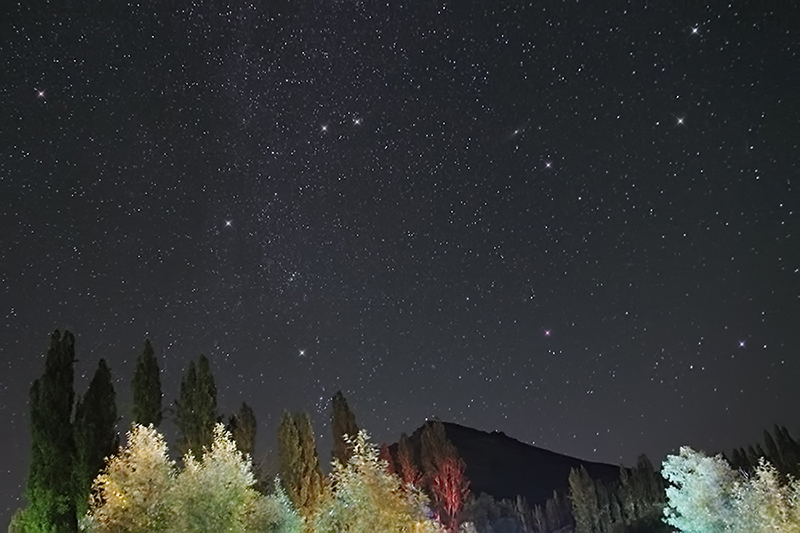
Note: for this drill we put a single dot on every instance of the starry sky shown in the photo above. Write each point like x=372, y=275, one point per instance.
x=574, y=222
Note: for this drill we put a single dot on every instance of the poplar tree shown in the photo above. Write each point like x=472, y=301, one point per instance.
x=196, y=408
x=299, y=463
x=584, y=501
x=146, y=387
x=95, y=432
x=50, y=488
x=242, y=426
x=343, y=423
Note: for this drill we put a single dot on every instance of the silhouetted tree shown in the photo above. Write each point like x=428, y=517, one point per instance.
x=95, y=432
x=146, y=387
x=242, y=426
x=196, y=408
x=343, y=423
x=50, y=487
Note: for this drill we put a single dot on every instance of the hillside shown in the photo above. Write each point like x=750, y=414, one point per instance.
x=505, y=467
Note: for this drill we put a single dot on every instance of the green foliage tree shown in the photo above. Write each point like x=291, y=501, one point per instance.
x=243, y=426
x=196, y=408
x=50, y=488
x=299, y=463
x=96, y=434
x=146, y=387
x=583, y=498
x=365, y=497
x=343, y=424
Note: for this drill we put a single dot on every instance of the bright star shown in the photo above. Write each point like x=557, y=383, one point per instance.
x=228, y=223
x=741, y=344
x=680, y=120
x=39, y=93
x=548, y=164
x=357, y=121
x=324, y=128
x=302, y=353
x=695, y=30
x=547, y=333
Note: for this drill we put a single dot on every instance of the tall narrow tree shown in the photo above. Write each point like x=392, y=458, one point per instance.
x=444, y=473
x=146, y=386
x=343, y=423
x=95, y=432
x=242, y=426
x=197, y=408
x=406, y=461
x=50, y=488
x=299, y=463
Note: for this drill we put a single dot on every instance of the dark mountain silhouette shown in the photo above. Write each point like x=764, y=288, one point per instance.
x=505, y=468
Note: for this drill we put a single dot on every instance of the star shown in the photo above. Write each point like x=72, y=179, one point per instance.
x=39, y=93
x=695, y=30
x=357, y=121
x=302, y=353
x=324, y=128
x=548, y=164
x=680, y=121
x=741, y=344
x=229, y=223
x=547, y=333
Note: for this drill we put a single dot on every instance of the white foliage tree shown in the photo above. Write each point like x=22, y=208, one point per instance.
x=366, y=497
x=706, y=496
x=131, y=495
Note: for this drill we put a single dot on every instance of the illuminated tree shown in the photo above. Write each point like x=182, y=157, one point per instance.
x=700, y=496
x=365, y=497
x=299, y=463
x=132, y=494
x=406, y=463
x=583, y=498
x=444, y=473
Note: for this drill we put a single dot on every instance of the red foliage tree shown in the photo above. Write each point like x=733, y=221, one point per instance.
x=450, y=488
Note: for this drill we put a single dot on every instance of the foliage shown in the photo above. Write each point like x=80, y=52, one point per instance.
x=132, y=494
x=242, y=427
x=366, y=497
x=299, y=462
x=707, y=495
x=443, y=473
x=406, y=462
x=146, y=387
x=95, y=432
x=343, y=424
x=140, y=491
x=50, y=486
x=584, y=501
x=197, y=408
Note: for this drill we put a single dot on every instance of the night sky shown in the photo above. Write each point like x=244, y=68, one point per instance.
x=574, y=222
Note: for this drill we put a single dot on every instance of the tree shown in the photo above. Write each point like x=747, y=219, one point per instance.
x=242, y=426
x=343, y=424
x=365, y=497
x=50, y=487
x=216, y=493
x=583, y=497
x=699, y=497
x=147, y=388
x=444, y=473
x=95, y=432
x=299, y=463
x=132, y=494
x=406, y=462
x=197, y=408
